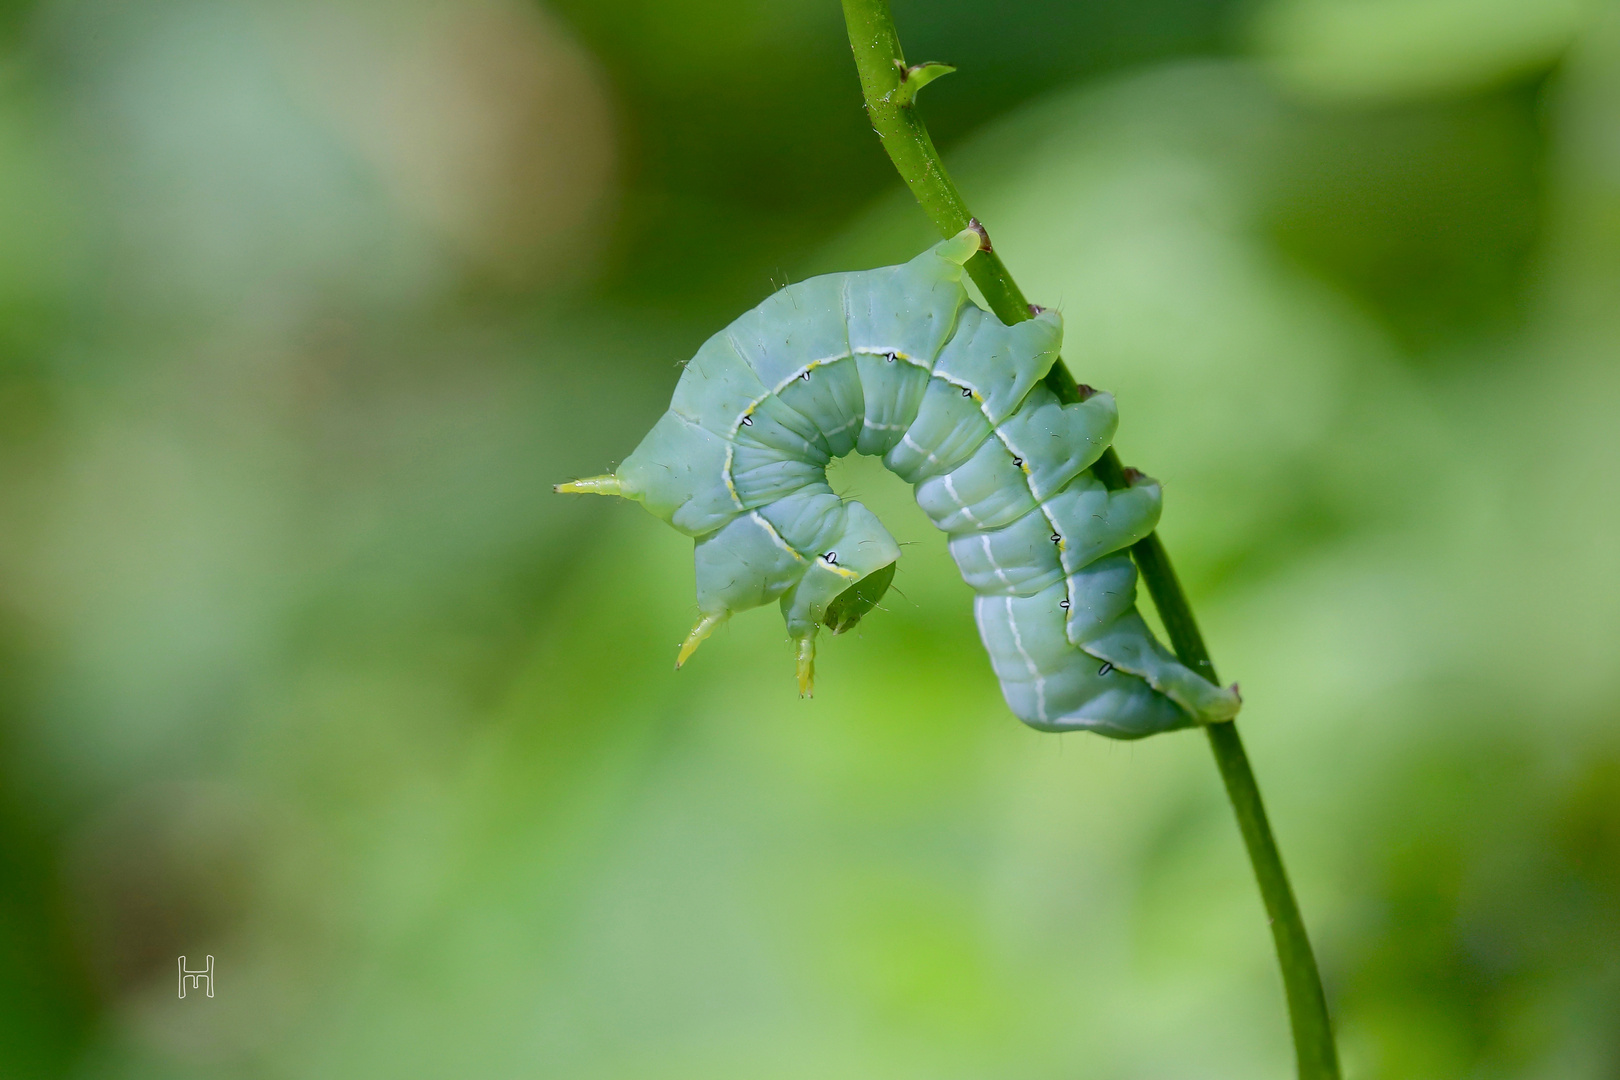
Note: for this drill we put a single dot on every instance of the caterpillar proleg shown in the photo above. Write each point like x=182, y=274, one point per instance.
x=900, y=363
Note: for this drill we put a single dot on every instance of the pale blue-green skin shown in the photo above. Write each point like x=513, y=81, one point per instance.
x=900, y=363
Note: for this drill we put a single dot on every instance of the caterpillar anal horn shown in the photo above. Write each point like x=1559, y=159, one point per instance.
x=590, y=485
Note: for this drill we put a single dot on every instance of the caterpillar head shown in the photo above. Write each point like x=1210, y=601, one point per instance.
x=849, y=606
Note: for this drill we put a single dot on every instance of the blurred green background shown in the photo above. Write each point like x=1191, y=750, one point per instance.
x=305, y=304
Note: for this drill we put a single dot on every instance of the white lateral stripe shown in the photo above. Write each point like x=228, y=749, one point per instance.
x=989, y=556
x=1029, y=482
x=736, y=425
x=799, y=373
x=1029, y=662
x=950, y=489
x=875, y=350
x=1029, y=474
x=1052, y=521
x=912, y=443
x=947, y=380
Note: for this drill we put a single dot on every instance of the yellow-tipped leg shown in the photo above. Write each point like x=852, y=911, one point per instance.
x=705, y=626
x=590, y=485
x=807, y=667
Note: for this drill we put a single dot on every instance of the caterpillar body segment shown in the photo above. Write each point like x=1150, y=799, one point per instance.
x=899, y=363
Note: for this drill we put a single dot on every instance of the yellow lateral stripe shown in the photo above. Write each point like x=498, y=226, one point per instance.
x=776, y=536
x=725, y=474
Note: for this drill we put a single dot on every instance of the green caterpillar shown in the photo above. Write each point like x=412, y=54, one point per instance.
x=900, y=363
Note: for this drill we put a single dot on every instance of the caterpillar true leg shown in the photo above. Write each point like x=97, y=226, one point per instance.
x=705, y=626
x=807, y=665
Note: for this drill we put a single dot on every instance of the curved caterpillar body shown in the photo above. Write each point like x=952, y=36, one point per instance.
x=900, y=363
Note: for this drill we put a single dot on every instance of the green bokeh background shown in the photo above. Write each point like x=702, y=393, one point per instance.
x=304, y=306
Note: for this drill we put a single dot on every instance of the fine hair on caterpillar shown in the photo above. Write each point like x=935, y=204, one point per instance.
x=908, y=369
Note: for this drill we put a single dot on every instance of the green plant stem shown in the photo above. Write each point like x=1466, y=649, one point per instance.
x=881, y=64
